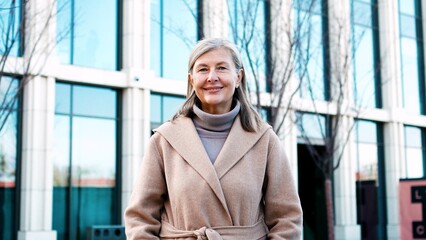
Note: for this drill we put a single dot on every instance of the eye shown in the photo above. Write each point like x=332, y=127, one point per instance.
x=222, y=68
x=202, y=70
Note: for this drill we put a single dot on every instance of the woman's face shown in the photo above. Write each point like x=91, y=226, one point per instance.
x=214, y=78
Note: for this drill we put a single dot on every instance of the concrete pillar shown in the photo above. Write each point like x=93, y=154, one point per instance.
x=38, y=123
x=135, y=100
x=215, y=18
x=136, y=132
x=37, y=161
x=392, y=101
x=346, y=226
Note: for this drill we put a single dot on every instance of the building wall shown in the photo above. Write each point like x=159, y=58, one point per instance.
x=141, y=89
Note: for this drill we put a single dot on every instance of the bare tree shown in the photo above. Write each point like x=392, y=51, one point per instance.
x=19, y=60
x=293, y=68
x=284, y=61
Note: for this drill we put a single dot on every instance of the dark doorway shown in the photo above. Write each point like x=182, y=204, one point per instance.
x=312, y=195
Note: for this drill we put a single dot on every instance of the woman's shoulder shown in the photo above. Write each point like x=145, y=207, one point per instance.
x=172, y=123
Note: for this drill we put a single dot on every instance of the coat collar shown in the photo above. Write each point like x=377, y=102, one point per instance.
x=183, y=137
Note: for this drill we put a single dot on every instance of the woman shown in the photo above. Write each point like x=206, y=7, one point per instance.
x=216, y=171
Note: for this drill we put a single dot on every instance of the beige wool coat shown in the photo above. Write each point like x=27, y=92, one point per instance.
x=248, y=193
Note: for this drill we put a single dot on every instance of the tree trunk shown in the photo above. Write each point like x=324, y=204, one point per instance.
x=329, y=208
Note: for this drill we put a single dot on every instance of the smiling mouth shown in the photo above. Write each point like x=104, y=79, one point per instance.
x=215, y=89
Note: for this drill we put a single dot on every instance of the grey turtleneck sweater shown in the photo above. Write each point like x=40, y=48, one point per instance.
x=213, y=129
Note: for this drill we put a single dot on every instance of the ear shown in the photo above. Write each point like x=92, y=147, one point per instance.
x=190, y=79
x=240, y=76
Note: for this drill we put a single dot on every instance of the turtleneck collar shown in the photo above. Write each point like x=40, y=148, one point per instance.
x=215, y=122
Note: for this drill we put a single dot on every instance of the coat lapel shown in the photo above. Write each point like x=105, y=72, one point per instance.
x=183, y=137
x=237, y=144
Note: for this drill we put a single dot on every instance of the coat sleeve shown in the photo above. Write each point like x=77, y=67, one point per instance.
x=142, y=216
x=283, y=212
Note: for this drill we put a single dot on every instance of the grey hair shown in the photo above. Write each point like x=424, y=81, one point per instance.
x=250, y=119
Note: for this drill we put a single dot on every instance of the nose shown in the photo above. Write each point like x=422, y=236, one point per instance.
x=212, y=77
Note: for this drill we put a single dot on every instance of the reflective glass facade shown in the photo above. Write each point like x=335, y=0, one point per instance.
x=88, y=33
x=85, y=159
x=310, y=23
x=174, y=30
x=370, y=180
x=247, y=29
x=163, y=108
x=365, y=48
x=311, y=127
x=10, y=21
x=415, y=152
x=8, y=157
x=412, y=56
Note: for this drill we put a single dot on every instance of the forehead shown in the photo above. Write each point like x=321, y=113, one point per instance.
x=214, y=56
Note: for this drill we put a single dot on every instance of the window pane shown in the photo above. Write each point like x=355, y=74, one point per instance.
x=413, y=137
x=8, y=90
x=61, y=165
x=156, y=53
x=247, y=31
x=103, y=105
x=367, y=150
x=414, y=162
x=311, y=126
x=95, y=33
x=174, y=32
x=8, y=161
x=61, y=153
x=9, y=27
x=156, y=109
x=366, y=131
x=365, y=92
x=63, y=98
x=170, y=106
x=93, y=152
x=407, y=7
x=410, y=75
x=63, y=30
x=367, y=161
x=408, y=26
x=310, y=60
x=362, y=13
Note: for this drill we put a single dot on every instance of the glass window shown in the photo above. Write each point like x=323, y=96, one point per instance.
x=8, y=156
x=310, y=58
x=174, y=31
x=412, y=73
x=163, y=108
x=414, y=150
x=247, y=29
x=370, y=179
x=10, y=21
x=367, y=152
x=85, y=160
x=87, y=33
x=311, y=127
x=364, y=47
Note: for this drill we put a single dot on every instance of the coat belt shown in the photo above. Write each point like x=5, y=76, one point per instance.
x=256, y=231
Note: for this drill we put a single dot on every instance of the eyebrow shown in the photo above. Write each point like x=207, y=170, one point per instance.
x=205, y=64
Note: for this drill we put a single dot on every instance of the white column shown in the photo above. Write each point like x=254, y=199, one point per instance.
x=136, y=117
x=38, y=122
x=393, y=135
x=37, y=162
x=136, y=132
x=346, y=226
x=215, y=18
x=392, y=101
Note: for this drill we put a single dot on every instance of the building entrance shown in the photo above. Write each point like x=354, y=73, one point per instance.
x=312, y=195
